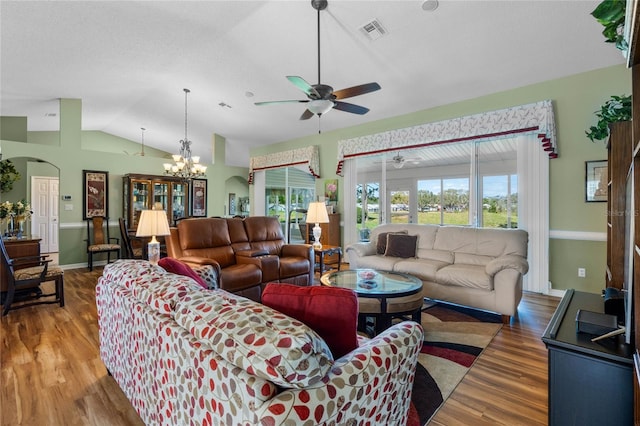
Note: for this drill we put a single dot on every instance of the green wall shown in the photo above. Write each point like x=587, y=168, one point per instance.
x=72, y=150
x=575, y=99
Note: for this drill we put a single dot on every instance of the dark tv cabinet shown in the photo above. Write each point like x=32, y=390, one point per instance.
x=590, y=383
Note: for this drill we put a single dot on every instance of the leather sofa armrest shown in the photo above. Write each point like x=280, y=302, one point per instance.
x=200, y=261
x=251, y=253
x=498, y=264
x=298, y=250
x=268, y=264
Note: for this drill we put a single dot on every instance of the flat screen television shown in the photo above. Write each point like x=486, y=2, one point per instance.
x=629, y=253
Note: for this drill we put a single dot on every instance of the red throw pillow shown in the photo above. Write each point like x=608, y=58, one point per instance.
x=329, y=311
x=180, y=268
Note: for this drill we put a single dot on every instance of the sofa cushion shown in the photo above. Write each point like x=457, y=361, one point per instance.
x=256, y=338
x=400, y=245
x=317, y=307
x=472, y=259
x=174, y=266
x=425, y=269
x=463, y=275
x=381, y=246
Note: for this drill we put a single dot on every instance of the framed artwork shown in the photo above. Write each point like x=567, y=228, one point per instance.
x=596, y=181
x=331, y=190
x=95, y=201
x=199, y=197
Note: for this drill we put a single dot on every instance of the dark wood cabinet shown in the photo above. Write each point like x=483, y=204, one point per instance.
x=23, y=247
x=141, y=192
x=620, y=153
x=590, y=383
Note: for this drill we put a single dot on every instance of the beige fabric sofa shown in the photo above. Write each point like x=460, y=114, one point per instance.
x=476, y=267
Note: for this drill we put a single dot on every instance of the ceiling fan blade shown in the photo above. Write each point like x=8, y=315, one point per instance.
x=356, y=90
x=301, y=84
x=281, y=102
x=306, y=115
x=352, y=108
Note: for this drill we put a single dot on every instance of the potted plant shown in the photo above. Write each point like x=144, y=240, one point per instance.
x=618, y=108
x=611, y=14
x=8, y=175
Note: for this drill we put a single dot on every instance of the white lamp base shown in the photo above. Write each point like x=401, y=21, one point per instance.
x=317, y=233
x=153, y=251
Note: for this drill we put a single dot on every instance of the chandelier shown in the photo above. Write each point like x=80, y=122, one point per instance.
x=185, y=165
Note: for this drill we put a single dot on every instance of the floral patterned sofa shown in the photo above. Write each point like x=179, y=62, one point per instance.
x=184, y=354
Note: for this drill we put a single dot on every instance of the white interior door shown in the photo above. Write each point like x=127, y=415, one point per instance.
x=44, y=221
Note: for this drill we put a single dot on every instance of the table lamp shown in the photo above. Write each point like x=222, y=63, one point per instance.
x=153, y=223
x=317, y=213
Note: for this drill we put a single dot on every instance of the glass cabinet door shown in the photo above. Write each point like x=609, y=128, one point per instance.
x=179, y=201
x=140, y=200
x=161, y=194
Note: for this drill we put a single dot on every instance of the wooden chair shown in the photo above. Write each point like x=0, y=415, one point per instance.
x=130, y=252
x=98, y=239
x=24, y=276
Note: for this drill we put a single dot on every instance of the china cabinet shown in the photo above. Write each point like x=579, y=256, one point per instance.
x=141, y=192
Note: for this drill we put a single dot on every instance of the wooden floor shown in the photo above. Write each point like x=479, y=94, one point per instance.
x=51, y=373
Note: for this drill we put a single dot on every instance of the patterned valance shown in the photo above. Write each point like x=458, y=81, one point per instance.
x=535, y=118
x=309, y=155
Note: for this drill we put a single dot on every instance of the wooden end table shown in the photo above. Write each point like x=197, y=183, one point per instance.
x=327, y=251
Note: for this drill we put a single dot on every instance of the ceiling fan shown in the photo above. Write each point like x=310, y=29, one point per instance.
x=398, y=161
x=141, y=153
x=322, y=97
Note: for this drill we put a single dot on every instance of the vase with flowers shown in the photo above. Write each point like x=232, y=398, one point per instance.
x=14, y=215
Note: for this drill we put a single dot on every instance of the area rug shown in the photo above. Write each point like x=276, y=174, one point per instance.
x=454, y=338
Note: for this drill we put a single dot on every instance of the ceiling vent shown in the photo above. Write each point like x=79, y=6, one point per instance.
x=373, y=30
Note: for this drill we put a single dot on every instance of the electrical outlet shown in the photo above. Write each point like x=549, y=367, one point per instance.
x=582, y=272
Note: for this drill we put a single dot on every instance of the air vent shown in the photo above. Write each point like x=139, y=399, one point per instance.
x=373, y=30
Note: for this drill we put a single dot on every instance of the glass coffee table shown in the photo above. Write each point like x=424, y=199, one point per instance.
x=382, y=295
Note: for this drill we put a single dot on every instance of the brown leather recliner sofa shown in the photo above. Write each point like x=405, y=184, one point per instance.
x=246, y=253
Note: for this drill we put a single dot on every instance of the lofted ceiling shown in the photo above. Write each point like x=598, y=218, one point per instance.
x=130, y=60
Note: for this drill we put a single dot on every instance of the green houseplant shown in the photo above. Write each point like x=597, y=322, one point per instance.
x=611, y=14
x=618, y=108
x=8, y=175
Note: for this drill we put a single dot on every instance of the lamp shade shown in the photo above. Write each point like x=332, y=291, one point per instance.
x=317, y=213
x=153, y=223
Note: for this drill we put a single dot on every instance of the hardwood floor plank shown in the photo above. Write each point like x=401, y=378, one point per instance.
x=51, y=372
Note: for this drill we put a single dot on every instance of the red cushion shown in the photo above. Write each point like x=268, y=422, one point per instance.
x=331, y=312
x=180, y=268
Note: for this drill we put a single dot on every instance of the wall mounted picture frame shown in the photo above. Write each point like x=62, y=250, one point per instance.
x=331, y=190
x=199, y=198
x=597, y=178
x=95, y=201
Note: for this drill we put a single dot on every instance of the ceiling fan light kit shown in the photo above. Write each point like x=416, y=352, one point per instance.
x=321, y=97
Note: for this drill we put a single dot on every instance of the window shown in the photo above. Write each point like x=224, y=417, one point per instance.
x=288, y=189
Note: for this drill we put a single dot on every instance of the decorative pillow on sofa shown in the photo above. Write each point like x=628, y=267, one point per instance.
x=331, y=312
x=399, y=245
x=175, y=266
x=381, y=246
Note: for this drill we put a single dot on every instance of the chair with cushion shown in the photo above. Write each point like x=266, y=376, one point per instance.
x=130, y=252
x=99, y=241
x=24, y=276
